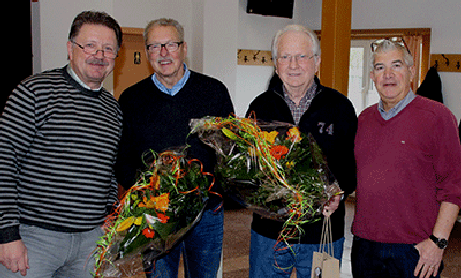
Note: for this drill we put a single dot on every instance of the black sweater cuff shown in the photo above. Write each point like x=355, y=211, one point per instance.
x=9, y=234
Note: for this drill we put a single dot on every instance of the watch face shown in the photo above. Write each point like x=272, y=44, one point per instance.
x=442, y=243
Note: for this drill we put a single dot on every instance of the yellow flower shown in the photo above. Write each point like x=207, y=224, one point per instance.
x=270, y=136
x=294, y=135
x=289, y=164
x=125, y=224
x=138, y=220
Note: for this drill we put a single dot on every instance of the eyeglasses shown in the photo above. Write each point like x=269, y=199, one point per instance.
x=379, y=44
x=91, y=49
x=155, y=48
x=300, y=59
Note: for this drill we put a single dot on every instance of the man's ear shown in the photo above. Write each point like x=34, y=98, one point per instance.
x=69, y=50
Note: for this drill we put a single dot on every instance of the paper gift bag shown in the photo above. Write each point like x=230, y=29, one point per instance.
x=324, y=265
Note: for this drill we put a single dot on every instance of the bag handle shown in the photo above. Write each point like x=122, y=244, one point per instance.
x=327, y=238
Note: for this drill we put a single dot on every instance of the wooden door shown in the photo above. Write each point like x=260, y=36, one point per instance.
x=132, y=64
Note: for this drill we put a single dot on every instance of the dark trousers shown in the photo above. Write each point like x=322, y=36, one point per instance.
x=379, y=260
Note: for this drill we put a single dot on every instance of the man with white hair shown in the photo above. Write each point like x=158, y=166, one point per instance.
x=298, y=98
x=408, y=170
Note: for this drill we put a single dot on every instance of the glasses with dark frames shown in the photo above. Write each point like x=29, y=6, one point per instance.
x=155, y=48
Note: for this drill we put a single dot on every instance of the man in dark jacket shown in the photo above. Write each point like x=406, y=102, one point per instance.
x=157, y=111
x=297, y=97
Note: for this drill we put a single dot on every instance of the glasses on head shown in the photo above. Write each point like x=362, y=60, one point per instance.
x=300, y=59
x=379, y=43
x=155, y=48
x=91, y=49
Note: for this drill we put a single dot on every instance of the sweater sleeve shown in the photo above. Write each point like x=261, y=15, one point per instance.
x=17, y=129
x=447, y=159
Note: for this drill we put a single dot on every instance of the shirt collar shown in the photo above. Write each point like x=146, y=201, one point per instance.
x=178, y=86
x=79, y=81
x=397, y=108
x=308, y=97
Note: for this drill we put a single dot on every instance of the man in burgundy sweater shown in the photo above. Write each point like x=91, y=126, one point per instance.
x=409, y=180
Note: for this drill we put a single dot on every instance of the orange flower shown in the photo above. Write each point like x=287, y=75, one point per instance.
x=163, y=201
x=149, y=233
x=163, y=218
x=160, y=203
x=294, y=135
x=278, y=151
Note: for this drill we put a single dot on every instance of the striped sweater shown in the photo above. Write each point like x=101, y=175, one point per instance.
x=58, y=145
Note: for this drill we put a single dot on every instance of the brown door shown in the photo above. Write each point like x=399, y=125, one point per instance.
x=132, y=64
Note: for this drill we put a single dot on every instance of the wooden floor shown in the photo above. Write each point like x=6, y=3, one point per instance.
x=237, y=238
x=236, y=246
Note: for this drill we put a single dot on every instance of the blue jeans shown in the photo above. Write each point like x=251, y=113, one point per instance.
x=382, y=260
x=55, y=254
x=201, y=249
x=271, y=259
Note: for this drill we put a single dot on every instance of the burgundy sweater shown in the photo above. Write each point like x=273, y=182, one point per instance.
x=406, y=167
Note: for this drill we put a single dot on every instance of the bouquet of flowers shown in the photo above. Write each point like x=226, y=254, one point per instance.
x=155, y=213
x=271, y=168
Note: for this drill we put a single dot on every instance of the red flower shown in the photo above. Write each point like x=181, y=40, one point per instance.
x=162, y=217
x=149, y=233
x=278, y=151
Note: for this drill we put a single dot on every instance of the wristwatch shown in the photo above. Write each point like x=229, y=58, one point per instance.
x=440, y=242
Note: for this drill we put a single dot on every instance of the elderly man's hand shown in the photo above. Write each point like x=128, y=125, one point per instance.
x=430, y=259
x=13, y=256
x=331, y=205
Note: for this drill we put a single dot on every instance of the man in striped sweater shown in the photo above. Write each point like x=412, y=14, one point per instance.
x=59, y=135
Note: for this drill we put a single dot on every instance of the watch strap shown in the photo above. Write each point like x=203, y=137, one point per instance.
x=440, y=242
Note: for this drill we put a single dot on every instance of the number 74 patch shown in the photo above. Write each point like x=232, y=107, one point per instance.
x=326, y=128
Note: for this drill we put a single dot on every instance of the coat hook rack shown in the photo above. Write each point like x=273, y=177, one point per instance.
x=446, y=62
x=250, y=57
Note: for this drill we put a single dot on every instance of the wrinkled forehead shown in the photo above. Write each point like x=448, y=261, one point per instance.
x=388, y=56
x=294, y=41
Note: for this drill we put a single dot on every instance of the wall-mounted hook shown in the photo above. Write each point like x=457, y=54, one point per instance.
x=255, y=55
x=447, y=62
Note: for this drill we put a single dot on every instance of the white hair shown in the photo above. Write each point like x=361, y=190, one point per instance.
x=298, y=28
x=387, y=45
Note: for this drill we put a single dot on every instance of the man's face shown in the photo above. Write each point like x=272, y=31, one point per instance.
x=168, y=65
x=392, y=76
x=296, y=74
x=92, y=69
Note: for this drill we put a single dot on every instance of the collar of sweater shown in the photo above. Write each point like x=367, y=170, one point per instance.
x=77, y=84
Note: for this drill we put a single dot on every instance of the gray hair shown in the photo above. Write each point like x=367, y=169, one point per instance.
x=298, y=28
x=387, y=45
x=164, y=22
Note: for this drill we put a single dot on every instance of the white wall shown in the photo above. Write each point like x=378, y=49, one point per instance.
x=220, y=32
x=55, y=19
x=256, y=32
x=215, y=29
